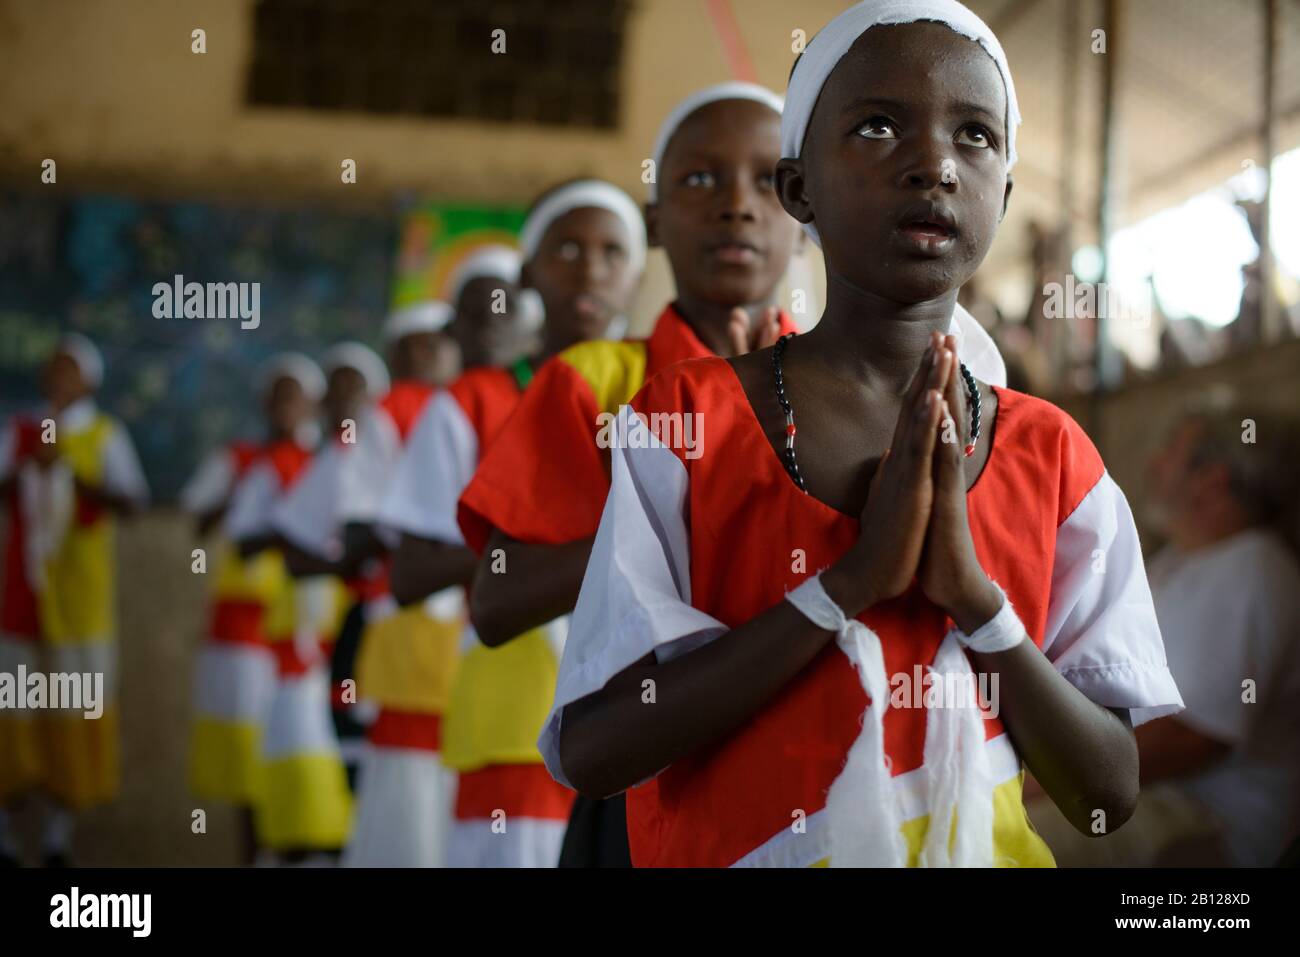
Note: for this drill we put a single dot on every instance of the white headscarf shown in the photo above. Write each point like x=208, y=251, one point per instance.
x=86, y=355
x=698, y=100
x=296, y=366
x=581, y=195
x=428, y=316
x=828, y=47
x=355, y=355
x=494, y=260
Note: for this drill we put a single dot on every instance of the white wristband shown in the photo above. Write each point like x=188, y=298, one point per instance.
x=817, y=606
x=1004, y=630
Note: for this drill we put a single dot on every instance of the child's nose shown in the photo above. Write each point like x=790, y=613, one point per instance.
x=592, y=265
x=739, y=198
x=929, y=167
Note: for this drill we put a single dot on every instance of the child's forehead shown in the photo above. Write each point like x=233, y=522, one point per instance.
x=722, y=125
x=583, y=221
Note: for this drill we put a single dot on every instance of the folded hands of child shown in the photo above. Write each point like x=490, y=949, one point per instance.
x=914, y=524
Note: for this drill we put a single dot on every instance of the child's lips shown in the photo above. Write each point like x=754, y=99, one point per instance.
x=735, y=254
x=926, y=237
x=588, y=306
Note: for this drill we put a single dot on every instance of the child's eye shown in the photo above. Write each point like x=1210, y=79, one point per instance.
x=568, y=251
x=767, y=181
x=699, y=178
x=974, y=135
x=878, y=128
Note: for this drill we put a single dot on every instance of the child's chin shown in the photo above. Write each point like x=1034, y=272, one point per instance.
x=739, y=288
x=921, y=282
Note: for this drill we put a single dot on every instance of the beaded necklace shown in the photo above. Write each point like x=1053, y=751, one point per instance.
x=791, y=466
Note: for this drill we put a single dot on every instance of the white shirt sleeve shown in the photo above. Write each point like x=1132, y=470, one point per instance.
x=636, y=594
x=250, y=506
x=122, y=472
x=1101, y=631
x=366, y=473
x=308, y=513
x=438, y=462
x=1231, y=615
x=209, y=486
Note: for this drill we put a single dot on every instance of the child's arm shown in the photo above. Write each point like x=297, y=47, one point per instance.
x=425, y=566
x=612, y=740
x=106, y=498
x=1084, y=755
x=543, y=584
x=302, y=563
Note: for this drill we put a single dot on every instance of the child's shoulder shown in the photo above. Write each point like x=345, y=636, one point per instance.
x=689, y=385
x=612, y=370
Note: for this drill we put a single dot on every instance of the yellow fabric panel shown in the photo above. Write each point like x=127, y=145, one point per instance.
x=408, y=661
x=82, y=763
x=226, y=761
x=77, y=601
x=1015, y=842
x=280, y=608
x=259, y=578
x=20, y=756
x=308, y=804
x=499, y=702
x=615, y=371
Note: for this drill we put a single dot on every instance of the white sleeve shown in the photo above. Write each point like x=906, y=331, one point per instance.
x=976, y=348
x=210, y=484
x=122, y=472
x=1239, y=623
x=308, y=514
x=438, y=462
x=1101, y=631
x=636, y=594
x=366, y=472
x=250, y=506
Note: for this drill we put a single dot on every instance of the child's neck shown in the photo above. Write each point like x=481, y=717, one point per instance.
x=872, y=339
x=709, y=320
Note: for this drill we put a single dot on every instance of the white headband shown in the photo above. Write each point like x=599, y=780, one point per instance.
x=494, y=260
x=428, y=316
x=581, y=195
x=296, y=366
x=699, y=99
x=87, y=357
x=354, y=355
x=828, y=47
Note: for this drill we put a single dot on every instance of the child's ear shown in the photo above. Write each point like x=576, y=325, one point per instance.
x=790, y=189
x=525, y=277
x=651, y=212
x=1006, y=198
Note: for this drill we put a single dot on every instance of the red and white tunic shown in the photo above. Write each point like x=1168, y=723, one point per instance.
x=692, y=545
x=509, y=811
x=404, y=666
x=546, y=479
